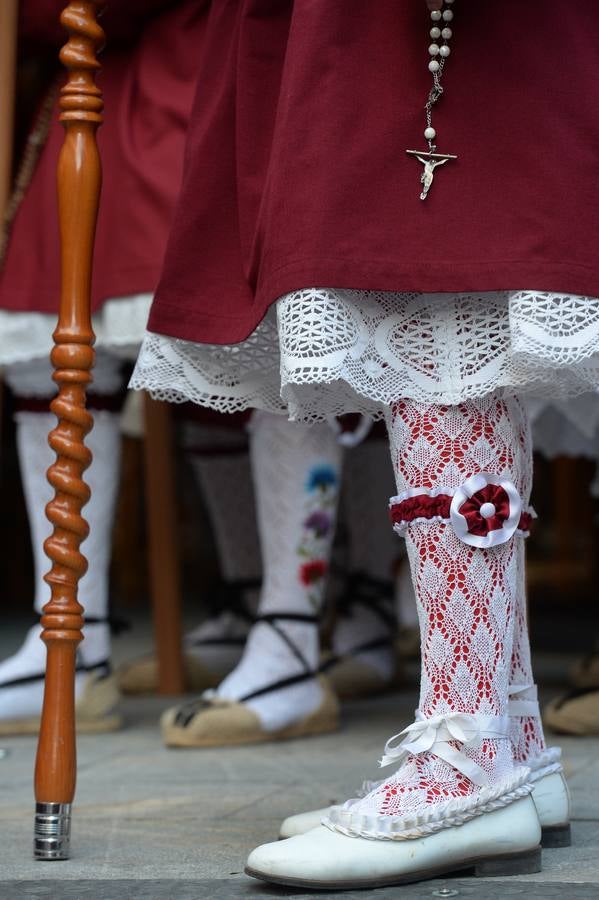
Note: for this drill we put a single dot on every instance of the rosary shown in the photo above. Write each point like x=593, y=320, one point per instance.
x=431, y=159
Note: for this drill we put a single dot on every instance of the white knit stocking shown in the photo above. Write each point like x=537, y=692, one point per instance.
x=35, y=457
x=466, y=596
x=296, y=471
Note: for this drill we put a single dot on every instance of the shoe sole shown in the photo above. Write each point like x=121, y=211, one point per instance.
x=18, y=727
x=179, y=737
x=526, y=863
x=555, y=836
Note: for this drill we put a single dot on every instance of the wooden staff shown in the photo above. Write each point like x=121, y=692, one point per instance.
x=79, y=181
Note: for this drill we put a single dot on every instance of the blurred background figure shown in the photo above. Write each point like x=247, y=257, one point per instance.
x=148, y=81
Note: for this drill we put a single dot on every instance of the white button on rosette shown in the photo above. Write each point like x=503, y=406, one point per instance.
x=485, y=511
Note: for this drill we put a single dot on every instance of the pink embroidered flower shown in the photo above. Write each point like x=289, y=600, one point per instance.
x=312, y=571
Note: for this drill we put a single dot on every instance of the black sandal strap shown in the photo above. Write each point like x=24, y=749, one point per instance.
x=117, y=626
x=272, y=619
x=80, y=667
x=278, y=685
x=230, y=597
x=309, y=618
x=372, y=593
x=334, y=658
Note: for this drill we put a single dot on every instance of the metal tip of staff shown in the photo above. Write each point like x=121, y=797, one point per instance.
x=52, y=831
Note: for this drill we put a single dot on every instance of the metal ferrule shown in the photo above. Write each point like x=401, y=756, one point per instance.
x=52, y=831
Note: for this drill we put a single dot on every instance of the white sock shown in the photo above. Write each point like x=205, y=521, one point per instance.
x=36, y=456
x=296, y=471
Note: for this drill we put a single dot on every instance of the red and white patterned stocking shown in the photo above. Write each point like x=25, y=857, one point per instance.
x=467, y=595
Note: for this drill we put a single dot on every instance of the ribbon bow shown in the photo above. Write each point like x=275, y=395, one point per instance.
x=434, y=736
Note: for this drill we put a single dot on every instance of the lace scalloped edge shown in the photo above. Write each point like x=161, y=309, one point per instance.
x=443, y=815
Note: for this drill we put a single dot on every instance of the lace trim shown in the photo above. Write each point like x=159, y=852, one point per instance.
x=119, y=326
x=323, y=352
x=455, y=811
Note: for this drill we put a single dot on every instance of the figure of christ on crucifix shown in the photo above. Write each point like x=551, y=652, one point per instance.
x=430, y=161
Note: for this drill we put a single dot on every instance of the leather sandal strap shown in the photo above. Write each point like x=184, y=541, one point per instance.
x=278, y=685
x=274, y=618
x=80, y=667
x=335, y=658
x=364, y=590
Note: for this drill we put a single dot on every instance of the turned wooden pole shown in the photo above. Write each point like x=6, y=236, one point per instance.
x=79, y=181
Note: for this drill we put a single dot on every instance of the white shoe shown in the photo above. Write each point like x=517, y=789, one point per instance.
x=502, y=842
x=550, y=794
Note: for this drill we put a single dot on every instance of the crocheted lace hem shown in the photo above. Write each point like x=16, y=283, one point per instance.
x=119, y=326
x=442, y=815
x=323, y=352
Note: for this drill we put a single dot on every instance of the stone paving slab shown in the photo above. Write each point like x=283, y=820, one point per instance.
x=181, y=823
x=232, y=889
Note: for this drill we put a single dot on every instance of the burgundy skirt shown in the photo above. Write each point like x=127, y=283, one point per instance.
x=296, y=171
x=148, y=89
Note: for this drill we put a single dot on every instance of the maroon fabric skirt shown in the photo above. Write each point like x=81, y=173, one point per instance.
x=296, y=171
x=148, y=91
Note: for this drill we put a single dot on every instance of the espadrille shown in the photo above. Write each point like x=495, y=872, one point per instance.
x=94, y=710
x=210, y=651
x=576, y=712
x=140, y=676
x=353, y=678
x=211, y=721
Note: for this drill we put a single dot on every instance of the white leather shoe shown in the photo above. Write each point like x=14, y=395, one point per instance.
x=502, y=842
x=550, y=794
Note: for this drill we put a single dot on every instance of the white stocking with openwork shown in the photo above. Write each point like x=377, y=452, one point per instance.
x=463, y=476
x=296, y=471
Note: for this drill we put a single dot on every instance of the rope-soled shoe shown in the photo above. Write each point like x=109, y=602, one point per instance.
x=214, y=721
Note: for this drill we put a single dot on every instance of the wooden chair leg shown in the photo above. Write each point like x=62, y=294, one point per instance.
x=79, y=180
x=163, y=549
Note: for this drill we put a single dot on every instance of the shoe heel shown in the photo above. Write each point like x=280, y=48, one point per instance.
x=554, y=836
x=527, y=863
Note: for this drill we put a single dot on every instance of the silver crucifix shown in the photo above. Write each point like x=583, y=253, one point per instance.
x=430, y=161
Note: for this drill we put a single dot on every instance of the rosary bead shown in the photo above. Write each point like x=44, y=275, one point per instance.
x=447, y=15
x=434, y=50
x=436, y=15
x=446, y=34
x=435, y=33
x=444, y=50
x=433, y=66
x=430, y=133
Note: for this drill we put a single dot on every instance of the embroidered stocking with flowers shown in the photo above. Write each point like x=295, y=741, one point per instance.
x=296, y=470
x=463, y=476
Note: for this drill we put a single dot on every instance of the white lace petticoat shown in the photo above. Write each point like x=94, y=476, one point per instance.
x=321, y=352
x=119, y=326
